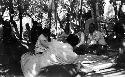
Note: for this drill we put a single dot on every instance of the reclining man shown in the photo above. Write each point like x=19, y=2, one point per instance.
x=53, y=53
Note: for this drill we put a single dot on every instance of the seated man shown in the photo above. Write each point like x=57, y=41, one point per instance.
x=55, y=53
x=82, y=38
x=95, y=36
x=99, y=37
x=97, y=43
x=80, y=47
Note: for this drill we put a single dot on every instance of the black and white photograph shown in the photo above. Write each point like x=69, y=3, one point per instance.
x=62, y=38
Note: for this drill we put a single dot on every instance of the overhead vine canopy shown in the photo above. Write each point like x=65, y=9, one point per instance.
x=39, y=9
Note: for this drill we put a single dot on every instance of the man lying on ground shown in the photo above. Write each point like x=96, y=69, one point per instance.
x=53, y=53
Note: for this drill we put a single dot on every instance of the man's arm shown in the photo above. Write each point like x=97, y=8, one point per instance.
x=69, y=55
x=82, y=39
x=41, y=44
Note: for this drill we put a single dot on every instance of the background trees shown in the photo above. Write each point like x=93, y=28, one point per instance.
x=53, y=13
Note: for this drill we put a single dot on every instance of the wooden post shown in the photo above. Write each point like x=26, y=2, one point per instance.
x=80, y=13
x=49, y=14
x=55, y=14
x=20, y=17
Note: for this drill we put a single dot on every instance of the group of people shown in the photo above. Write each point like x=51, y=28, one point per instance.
x=49, y=51
x=56, y=52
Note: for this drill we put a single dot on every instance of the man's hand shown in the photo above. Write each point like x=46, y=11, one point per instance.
x=77, y=46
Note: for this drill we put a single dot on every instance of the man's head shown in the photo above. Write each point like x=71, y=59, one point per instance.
x=92, y=28
x=72, y=39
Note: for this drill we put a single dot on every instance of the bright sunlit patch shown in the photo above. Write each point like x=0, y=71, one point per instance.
x=30, y=75
x=6, y=15
x=33, y=72
x=108, y=9
x=48, y=61
x=34, y=69
x=67, y=2
x=65, y=55
x=26, y=20
x=123, y=43
x=123, y=7
x=64, y=46
x=1, y=25
x=54, y=57
x=114, y=37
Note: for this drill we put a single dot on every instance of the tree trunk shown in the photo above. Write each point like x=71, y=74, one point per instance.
x=21, y=30
x=93, y=11
x=55, y=14
x=20, y=17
